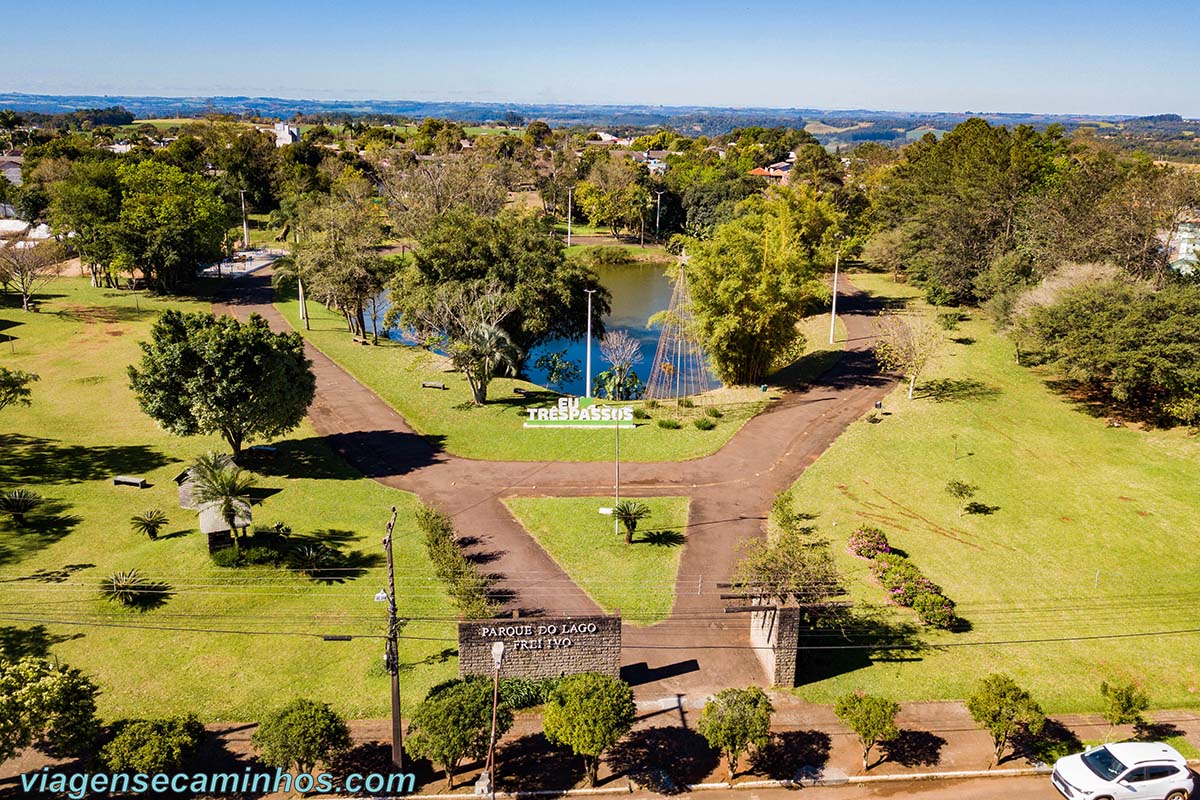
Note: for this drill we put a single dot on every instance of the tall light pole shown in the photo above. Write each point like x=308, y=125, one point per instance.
x=587, y=361
x=658, y=210
x=245, y=227
x=490, y=770
x=833, y=308
x=570, y=190
x=616, y=473
x=392, y=656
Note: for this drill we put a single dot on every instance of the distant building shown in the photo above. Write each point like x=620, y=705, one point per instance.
x=776, y=173
x=655, y=160
x=285, y=134
x=10, y=169
x=1185, y=247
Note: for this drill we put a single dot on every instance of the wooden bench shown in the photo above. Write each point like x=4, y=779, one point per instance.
x=519, y=390
x=360, y=340
x=263, y=448
x=130, y=480
x=432, y=385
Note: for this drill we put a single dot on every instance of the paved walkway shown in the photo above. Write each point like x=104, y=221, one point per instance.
x=698, y=649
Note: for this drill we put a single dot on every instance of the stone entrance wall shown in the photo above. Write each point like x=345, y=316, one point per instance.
x=775, y=637
x=541, y=647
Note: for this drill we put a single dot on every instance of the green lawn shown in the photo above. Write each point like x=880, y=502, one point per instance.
x=638, y=579
x=395, y=372
x=1092, y=532
x=84, y=427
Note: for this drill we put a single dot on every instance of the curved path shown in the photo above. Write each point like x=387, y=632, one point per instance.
x=698, y=649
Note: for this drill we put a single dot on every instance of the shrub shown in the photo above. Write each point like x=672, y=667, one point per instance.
x=153, y=745
x=261, y=555
x=19, y=502
x=303, y=734
x=713, y=412
x=519, y=693
x=313, y=559
x=935, y=609
x=641, y=413
x=454, y=722
x=467, y=588
x=704, y=424
x=868, y=542
x=652, y=404
x=949, y=320
x=225, y=557
x=602, y=256
x=149, y=522
x=902, y=579
x=670, y=424
x=128, y=588
x=686, y=402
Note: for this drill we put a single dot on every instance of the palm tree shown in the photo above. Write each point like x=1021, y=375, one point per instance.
x=486, y=352
x=216, y=479
x=630, y=513
x=19, y=502
x=149, y=522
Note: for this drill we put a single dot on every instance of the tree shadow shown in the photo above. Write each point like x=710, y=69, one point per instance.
x=805, y=369
x=59, y=575
x=35, y=459
x=1053, y=742
x=1156, y=731
x=912, y=748
x=663, y=759
x=1095, y=401
x=663, y=538
x=35, y=640
x=440, y=657
x=113, y=313
x=863, y=637
x=345, y=564
x=43, y=526
x=956, y=390
x=374, y=454
x=532, y=763
x=964, y=340
x=376, y=758
x=789, y=755
x=980, y=509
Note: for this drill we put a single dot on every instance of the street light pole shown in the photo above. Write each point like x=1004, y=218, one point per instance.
x=392, y=655
x=487, y=780
x=245, y=227
x=833, y=308
x=658, y=210
x=616, y=473
x=570, y=190
x=587, y=361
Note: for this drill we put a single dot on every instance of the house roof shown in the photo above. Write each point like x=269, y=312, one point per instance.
x=211, y=520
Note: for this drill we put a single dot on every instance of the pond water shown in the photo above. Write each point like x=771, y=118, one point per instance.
x=638, y=292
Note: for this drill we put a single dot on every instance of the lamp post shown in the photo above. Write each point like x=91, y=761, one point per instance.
x=245, y=227
x=570, y=190
x=658, y=210
x=488, y=778
x=616, y=472
x=587, y=361
x=833, y=307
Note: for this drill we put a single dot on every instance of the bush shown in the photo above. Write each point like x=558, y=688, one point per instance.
x=519, y=693
x=935, y=609
x=713, y=412
x=949, y=320
x=302, y=734
x=670, y=424
x=153, y=745
x=868, y=542
x=313, y=559
x=640, y=413
x=686, y=402
x=468, y=589
x=902, y=579
x=127, y=588
x=261, y=555
x=652, y=404
x=607, y=256
x=19, y=502
x=225, y=557
x=704, y=424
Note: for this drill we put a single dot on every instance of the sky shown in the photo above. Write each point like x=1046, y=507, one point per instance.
x=1037, y=56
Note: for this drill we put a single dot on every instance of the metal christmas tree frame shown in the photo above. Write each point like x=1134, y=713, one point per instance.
x=680, y=366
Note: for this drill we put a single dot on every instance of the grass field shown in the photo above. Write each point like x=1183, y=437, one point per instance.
x=395, y=372
x=638, y=579
x=1091, y=532
x=83, y=427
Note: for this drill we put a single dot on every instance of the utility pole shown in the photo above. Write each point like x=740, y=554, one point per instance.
x=490, y=769
x=658, y=210
x=833, y=308
x=617, y=473
x=587, y=369
x=570, y=191
x=245, y=227
x=391, y=654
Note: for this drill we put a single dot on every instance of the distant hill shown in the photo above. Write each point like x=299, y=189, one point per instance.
x=842, y=126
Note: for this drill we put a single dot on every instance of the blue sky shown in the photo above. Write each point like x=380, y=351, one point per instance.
x=1101, y=57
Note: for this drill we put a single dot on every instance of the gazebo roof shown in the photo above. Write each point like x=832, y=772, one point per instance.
x=211, y=520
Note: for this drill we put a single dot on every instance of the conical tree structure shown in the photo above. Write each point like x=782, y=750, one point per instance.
x=680, y=366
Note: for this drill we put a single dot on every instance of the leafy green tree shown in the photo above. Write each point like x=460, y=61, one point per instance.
x=872, y=718
x=14, y=387
x=302, y=734
x=789, y=566
x=170, y=223
x=216, y=479
x=757, y=276
x=614, y=195
x=1004, y=709
x=46, y=703
x=1124, y=704
x=629, y=513
x=87, y=206
x=203, y=374
x=735, y=720
x=453, y=723
x=153, y=745
x=907, y=345
x=421, y=191
x=559, y=369
x=962, y=492
x=513, y=253
x=588, y=713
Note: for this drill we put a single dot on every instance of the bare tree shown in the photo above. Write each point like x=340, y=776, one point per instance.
x=907, y=345
x=26, y=266
x=621, y=351
x=420, y=189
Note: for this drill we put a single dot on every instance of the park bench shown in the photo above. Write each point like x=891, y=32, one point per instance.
x=130, y=480
x=361, y=340
x=432, y=385
x=270, y=449
x=519, y=390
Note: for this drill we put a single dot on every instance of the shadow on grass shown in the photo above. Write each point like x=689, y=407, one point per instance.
x=343, y=564
x=957, y=390
x=864, y=637
x=36, y=641
x=980, y=509
x=376, y=758
x=347, y=456
x=663, y=538
x=44, y=526
x=129, y=313
x=913, y=748
x=1096, y=402
x=34, y=459
x=440, y=657
x=1053, y=742
x=531, y=763
x=790, y=755
x=59, y=575
x=664, y=760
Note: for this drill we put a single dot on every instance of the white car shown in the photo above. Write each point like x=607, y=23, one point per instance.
x=1145, y=770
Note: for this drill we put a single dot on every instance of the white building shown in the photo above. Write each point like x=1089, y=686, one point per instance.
x=285, y=134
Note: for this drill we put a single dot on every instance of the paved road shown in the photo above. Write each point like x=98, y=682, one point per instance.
x=1035, y=787
x=698, y=649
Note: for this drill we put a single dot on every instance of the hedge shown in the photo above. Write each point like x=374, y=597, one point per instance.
x=467, y=588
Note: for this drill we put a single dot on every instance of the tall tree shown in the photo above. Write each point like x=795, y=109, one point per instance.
x=588, y=713
x=420, y=191
x=86, y=206
x=219, y=481
x=44, y=702
x=27, y=266
x=1005, y=710
x=907, y=345
x=202, y=374
x=302, y=734
x=872, y=718
x=733, y=721
x=455, y=722
x=621, y=351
